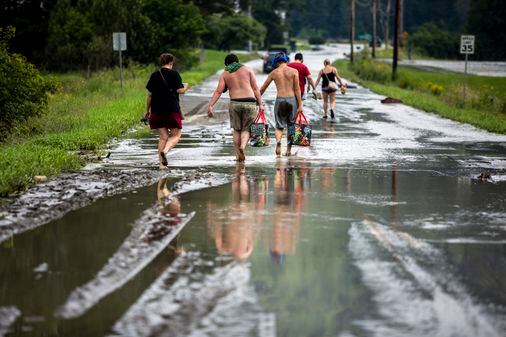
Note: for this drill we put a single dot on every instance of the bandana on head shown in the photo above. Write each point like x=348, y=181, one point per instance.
x=233, y=67
x=280, y=57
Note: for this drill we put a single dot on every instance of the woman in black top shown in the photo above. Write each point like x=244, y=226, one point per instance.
x=328, y=74
x=162, y=106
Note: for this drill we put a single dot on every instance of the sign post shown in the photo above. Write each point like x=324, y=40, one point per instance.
x=466, y=48
x=119, y=44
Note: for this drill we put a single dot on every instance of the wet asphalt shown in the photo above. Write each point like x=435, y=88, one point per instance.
x=379, y=228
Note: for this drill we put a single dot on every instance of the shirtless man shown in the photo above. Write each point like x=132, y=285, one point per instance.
x=288, y=101
x=244, y=99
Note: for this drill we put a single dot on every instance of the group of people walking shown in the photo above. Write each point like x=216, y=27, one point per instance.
x=164, y=86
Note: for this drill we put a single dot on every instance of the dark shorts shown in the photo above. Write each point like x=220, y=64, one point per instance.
x=165, y=120
x=328, y=90
x=285, y=111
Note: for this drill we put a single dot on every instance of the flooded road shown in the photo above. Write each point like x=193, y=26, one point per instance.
x=380, y=228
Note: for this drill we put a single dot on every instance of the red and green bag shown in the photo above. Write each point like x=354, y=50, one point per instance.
x=259, y=130
x=299, y=133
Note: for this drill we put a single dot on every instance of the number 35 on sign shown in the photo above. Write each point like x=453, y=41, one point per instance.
x=467, y=44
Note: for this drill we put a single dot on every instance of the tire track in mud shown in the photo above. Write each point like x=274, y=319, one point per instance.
x=187, y=300
x=52, y=200
x=151, y=233
x=414, y=295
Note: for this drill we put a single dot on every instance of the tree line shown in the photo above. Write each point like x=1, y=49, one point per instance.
x=75, y=34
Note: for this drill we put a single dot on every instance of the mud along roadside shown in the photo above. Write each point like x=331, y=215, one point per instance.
x=53, y=199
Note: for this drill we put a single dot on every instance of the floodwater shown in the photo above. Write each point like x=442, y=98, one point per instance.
x=380, y=228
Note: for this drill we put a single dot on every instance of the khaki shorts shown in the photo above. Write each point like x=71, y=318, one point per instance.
x=242, y=115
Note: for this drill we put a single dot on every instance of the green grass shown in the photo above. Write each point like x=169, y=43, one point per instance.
x=302, y=44
x=388, y=53
x=83, y=116
x=439, y=92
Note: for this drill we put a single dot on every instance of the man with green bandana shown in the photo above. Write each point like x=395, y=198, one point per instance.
x=244, y=100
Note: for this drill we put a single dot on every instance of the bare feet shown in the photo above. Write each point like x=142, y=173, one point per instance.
x=241, y=157
x=278, y=149
x=163, y=159
x=288, y=151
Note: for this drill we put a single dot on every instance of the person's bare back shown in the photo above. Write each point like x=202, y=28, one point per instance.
x=240, y=83
x=286, y=80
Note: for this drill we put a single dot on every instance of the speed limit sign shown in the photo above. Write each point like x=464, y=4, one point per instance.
x=467, y=44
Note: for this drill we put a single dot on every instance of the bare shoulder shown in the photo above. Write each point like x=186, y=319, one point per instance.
x=292, y=71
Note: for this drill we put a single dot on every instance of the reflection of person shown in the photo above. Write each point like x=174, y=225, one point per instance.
x=328, y=74
x=244, y=97
x=162, y=106
x=288, y=100
x=170, y=205
x=170, y=209
x=235, y=232
x=289, y=189
x=304, y=73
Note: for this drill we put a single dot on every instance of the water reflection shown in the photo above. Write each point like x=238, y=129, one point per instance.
x=290, y=185
x=235, y=230
x=170, y=207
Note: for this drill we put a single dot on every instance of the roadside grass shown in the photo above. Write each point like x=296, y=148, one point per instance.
x=302, y=44
x=382, y=52
x=83, y=116
x=439, y=92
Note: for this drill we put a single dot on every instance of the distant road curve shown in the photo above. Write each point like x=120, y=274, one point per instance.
x=482, y=68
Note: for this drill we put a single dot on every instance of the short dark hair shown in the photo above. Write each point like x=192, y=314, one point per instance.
x=298, y=56
x=231, y=58
x=166, y=58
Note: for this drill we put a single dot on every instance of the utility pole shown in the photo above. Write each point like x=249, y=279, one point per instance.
x=396, y=40
x=352, y=29
x=374, y=11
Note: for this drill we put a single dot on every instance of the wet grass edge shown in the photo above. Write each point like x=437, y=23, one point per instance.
x=487, y=120
x=52, y=153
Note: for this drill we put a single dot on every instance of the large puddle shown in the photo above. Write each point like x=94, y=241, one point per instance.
x=289, y=250
x=380, y=228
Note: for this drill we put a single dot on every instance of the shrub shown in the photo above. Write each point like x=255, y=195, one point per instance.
x=436, y=89
x=23, y=90
x=316, y=40
x=435, y=42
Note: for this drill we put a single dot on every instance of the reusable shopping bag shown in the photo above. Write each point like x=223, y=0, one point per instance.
x=299, y=133
x=259, y=131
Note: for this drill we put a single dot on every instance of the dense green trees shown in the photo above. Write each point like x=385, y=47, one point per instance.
x=487, y=20
x=432, y=41
x=69, y=34
x=77, y=34
x=233, y=32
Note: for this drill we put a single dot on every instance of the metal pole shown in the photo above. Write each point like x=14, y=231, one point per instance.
x=120, y=68
x=352, y=30
x=396, y=40
x=120, y=60
x=465, y=79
